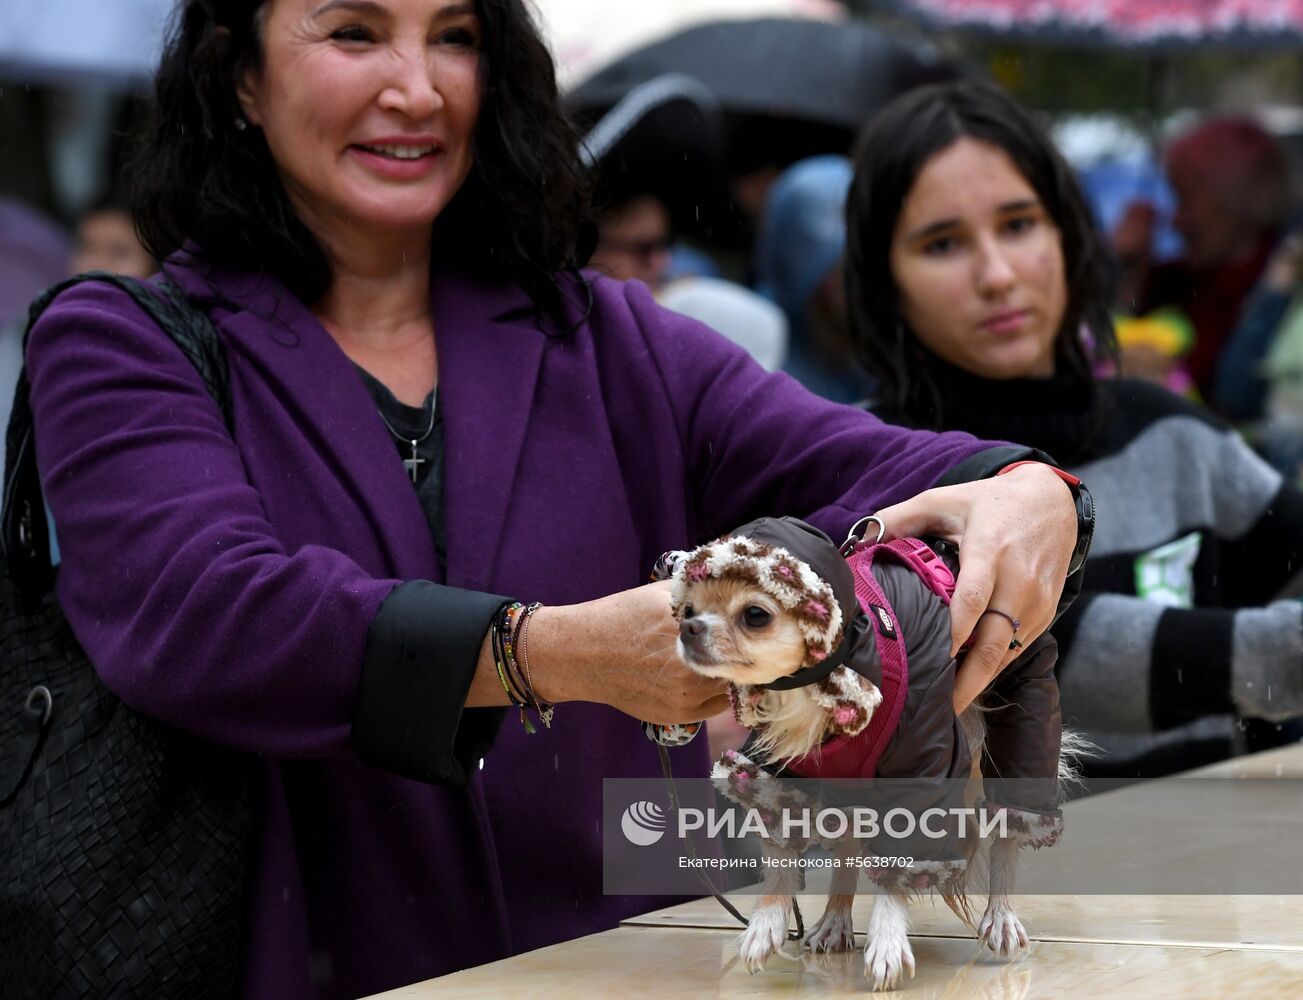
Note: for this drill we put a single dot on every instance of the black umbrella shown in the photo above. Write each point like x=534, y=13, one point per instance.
x=834, y=74
x=664, y=137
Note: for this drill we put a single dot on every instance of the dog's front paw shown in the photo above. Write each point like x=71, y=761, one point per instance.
x=1002, y=931
x=766, y=931
x=833, y=932
x=887, y=956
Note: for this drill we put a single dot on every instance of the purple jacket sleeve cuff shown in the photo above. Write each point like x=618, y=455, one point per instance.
x=421, y=653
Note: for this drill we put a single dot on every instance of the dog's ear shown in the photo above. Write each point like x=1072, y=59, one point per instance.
x=849, y=699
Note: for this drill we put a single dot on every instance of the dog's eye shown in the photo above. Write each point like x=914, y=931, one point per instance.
x=687, y=611
x=755, y=617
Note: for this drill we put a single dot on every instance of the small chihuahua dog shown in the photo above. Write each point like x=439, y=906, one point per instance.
x=842, y=670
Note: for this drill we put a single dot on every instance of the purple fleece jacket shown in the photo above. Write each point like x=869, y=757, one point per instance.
x=226, y=586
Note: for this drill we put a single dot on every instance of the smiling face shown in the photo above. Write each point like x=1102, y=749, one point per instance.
x=978, y=264
x=368, y=107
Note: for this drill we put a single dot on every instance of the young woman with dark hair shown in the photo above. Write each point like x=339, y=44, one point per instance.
x=373, y=200
x=920, y=125
x=975, y=283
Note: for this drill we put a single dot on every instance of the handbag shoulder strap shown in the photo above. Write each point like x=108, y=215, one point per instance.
x=24, y=534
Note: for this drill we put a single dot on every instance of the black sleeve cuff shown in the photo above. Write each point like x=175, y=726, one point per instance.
x=986, y=464
x=421, y=653
x=1197, y=643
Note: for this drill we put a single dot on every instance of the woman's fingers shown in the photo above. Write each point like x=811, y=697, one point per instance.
x=1015, y=535
x=980, y=666
x=972, y=596
x=985, y=636
x=643, y=674
x=989, y=652
x=937, y=512
x=676, y=698
x=620, y=651
x=715, y=706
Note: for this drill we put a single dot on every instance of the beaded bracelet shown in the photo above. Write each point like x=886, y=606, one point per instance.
x=507, y=635
x=545, y=711
x=502, y=660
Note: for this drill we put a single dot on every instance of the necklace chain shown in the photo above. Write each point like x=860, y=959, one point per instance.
x=414, y=463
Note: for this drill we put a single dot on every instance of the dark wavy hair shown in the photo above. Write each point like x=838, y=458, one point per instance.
x=891, y=153
x=520, y=214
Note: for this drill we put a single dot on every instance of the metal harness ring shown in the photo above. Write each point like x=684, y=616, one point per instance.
x=854, y=538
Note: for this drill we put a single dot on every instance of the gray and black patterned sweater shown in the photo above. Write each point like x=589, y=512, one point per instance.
x=1179, y=631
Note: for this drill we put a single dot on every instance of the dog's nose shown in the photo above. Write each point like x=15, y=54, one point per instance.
x=692, y=628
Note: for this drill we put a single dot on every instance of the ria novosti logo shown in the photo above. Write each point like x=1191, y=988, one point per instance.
x=643, y=823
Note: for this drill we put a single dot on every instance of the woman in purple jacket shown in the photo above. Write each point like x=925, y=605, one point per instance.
x=378, y=203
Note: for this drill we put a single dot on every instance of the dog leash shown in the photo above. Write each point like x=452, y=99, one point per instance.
x=797, y=935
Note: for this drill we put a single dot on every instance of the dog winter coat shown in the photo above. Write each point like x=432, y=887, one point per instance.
x=901, y=724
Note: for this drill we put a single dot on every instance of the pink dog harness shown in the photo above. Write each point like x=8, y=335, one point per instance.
x=857, y=756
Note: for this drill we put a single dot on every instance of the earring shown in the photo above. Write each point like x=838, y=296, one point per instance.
x=240, y=124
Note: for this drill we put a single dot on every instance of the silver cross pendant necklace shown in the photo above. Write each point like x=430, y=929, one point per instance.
x=414, y=463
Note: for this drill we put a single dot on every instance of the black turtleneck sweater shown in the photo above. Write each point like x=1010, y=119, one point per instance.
x=1177, y=629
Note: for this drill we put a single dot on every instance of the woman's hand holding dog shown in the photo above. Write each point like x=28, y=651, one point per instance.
x=1015, y=534
x=617, y=650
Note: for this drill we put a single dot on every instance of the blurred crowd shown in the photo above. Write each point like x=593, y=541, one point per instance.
x=1202, y=224
x=738, y=218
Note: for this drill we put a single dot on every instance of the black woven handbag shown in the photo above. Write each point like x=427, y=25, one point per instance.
x=123, y=842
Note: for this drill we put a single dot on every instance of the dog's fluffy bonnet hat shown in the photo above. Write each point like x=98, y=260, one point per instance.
x=775, y=570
